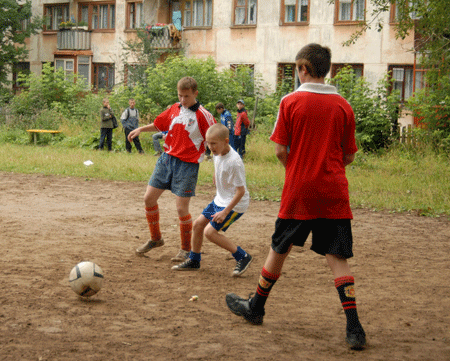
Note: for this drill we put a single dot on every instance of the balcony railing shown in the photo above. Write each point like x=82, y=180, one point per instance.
x=164, y=37
x=74, y=39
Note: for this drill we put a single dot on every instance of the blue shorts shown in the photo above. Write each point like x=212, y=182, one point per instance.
x=174, y=174
x=329, y=236
x=212, y=208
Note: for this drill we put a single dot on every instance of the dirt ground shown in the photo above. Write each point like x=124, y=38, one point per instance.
x=48, y=224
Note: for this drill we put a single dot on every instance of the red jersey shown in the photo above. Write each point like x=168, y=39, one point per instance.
x=241, y=121
x=186, y=129
x=318, y=126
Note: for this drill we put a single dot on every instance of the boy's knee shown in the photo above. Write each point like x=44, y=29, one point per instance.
x=209, y=232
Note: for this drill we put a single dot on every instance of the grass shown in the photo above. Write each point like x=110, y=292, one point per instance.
x=398, y=181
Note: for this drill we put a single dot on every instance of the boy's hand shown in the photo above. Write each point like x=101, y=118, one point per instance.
x=133, y=134
x=219, y=217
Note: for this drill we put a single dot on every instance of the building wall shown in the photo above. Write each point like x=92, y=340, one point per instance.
x=265, y=45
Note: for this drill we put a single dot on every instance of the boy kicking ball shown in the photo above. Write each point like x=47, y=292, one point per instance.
x=231, y=201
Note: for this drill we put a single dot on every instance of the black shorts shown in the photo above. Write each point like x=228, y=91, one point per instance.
x=329, y=236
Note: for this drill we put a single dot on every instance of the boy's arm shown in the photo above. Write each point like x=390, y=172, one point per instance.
x=219, y=217
x=348, y=158
x=146, y=128
x=281, y=153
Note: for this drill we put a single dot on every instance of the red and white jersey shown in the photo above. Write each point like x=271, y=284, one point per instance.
x=318, y=126
x=186, y=129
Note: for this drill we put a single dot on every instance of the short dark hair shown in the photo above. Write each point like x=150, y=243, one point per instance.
x=220, y=106
x=316, y=58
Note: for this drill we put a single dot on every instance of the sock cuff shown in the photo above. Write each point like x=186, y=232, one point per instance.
x=343, y=280
x=268, y=275
x=153, y=209
x=240, y=254
x=195, y=256
x=186, y=218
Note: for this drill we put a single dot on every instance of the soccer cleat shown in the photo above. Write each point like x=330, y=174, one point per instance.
x=241, y=307
x=150, y=244
x=188, y=265
x=356, y=338
x=181, y=256
x=242, y=265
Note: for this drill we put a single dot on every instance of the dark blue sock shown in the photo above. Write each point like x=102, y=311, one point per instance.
x=195, y=256
x=240, y=253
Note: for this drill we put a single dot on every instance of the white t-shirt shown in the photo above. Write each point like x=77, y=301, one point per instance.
x=230, y=173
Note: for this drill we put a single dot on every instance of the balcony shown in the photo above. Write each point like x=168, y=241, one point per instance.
x=73, y=39
x=165, y=36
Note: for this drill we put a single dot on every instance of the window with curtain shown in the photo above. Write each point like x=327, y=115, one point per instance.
x=103, y=76
x=350, y=10
x=135, y=13
x=54, y=15
x=98, y=16
x=403, y=76
x=294, y=11
x=287, y=77
x=245, y=12
x=197, y=13
x=396, y=11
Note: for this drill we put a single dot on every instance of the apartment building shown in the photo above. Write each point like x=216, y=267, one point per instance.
x=264, y=35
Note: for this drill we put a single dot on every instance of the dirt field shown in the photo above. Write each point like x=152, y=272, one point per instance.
x=49, y=224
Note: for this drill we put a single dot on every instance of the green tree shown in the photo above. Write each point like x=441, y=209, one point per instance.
x=16, y=24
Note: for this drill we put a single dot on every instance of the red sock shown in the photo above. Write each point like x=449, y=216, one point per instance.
x=186, y=232
x=152, y=215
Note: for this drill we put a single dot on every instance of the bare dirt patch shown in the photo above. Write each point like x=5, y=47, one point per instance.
x=48, y=224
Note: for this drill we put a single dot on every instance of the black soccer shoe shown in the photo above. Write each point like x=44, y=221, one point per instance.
x=356, y=338
x=188, y=265
x=242, y=265
x=241, y=307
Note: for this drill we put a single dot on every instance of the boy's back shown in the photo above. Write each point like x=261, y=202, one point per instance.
x=317, y=124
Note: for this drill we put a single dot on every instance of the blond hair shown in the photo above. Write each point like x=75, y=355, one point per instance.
x=218, y=130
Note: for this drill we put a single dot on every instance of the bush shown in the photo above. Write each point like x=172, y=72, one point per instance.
x=376, y=111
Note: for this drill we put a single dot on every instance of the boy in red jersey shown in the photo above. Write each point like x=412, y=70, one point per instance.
x=315, y=140
x=177, y=169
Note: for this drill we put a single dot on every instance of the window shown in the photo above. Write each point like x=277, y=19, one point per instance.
x=350, y=10
x=99, y=16
x=103, y=76
x=67, y=65
x=358, y=69
x=396, y=12
x=294, y=11
x=84, y=67
x=20, y=68
x=287, y=77
x=197, y=13
x=403, y=80
x=245, y=12
x=24, y=23
x=135, y=15
x=54, y=15
x=246, y=72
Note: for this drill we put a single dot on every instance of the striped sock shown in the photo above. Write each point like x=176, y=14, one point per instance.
x=266, y=282
x=186, y=232
x=152, y=214
x=346, y=288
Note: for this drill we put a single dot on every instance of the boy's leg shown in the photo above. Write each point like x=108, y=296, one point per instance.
x=193, y=262
x=109, y=135
x=345, y=283
x=127, y=143
x=185, y=218
x=137, y=144
x=243, y=259
x=102, y=138
x=151, y=197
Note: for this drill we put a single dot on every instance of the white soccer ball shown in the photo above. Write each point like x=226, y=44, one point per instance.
x=86, y=279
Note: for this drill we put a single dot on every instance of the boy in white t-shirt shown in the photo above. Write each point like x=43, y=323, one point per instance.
x=231, y=201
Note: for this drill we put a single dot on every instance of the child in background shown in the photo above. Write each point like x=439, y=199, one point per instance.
x=231, y=201
x=241, y=128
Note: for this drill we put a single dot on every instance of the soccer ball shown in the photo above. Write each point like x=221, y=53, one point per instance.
x=86, y=279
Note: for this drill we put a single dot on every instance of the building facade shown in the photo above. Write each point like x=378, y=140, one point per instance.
x=264, y=35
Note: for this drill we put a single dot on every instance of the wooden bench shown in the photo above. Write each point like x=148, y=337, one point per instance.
x=34, y=133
